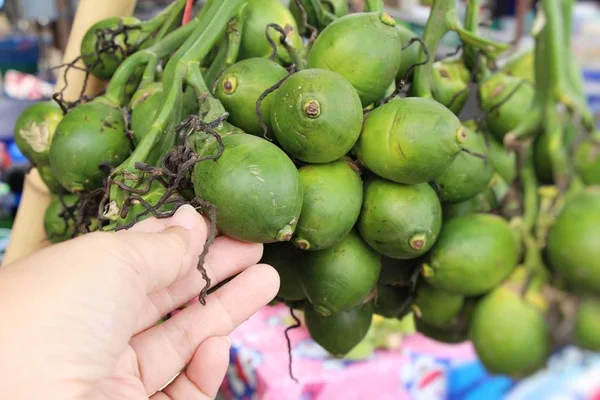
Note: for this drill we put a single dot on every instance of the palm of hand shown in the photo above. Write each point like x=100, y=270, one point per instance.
x=92, y=328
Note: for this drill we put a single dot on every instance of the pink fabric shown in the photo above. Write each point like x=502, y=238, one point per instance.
x=259, y=366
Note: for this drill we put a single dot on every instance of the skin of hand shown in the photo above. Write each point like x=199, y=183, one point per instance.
x=79, y=319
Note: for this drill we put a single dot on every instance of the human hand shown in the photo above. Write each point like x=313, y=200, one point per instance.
x=79, y=318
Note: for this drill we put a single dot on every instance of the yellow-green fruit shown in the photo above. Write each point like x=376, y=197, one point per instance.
x=365, y=48
x=34, y=130
x=509, y=333
x=421, y=137
x=473, y=254
x=333, y=195
x=587, y=323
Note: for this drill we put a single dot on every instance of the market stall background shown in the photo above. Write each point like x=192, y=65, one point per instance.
x=32, y=34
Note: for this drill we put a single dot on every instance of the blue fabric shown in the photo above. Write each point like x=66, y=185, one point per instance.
x=471, y=381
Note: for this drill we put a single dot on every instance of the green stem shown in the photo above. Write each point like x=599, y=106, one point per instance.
x=323, y=16
x=213, y=26
x=475, y=61
x=435, y=29
x=229, y=49
x=234, y=37
x=161, y=136
x=196, y=81
x=555, y=46
x=173, y=20
x=153, y=138
x=530, y=193
x=218, y=64
x=374, y=6
x=150, y=72
x=160, y=20
x=531, y=203
x=489, y=47
x=561, y=167
x=116, y=88
x=528, y=127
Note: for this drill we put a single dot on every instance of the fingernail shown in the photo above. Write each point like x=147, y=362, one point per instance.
x=186, y=217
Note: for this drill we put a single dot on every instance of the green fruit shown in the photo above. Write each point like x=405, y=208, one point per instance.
x=333, y=195
x=504, y=113
x=287, y=260
x=53, y=185
x=254, y=43
x=59, y=218
x=587, y=324
x=422, y=139
x=396, y=272
x=34, y=130
x=521, y=66
x=587, y=160
x=400, y=221
x=365, y=48
x=437, y=307
x=341, y=276
x=239, y=88
x=89, y=136
x=450, y=84
x=254, y=186
x=450, y=335
x=339, y=8
x=147, y=102
x=100, y=62
x=469, y=173
x=392, y=302
x=316, y=116
x=573, y=249
x=481, y=203
x=341, y=332
x=410, y=54
x=509, y=333
x=144, y=106
x=473, y=254
x=542, y=150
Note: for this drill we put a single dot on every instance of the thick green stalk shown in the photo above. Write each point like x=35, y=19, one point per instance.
x=234, y=37
x=172, y=21
x=150, y=72
x=212, y=26
x=442, y=19
x=530, y=192
x=561, y=167
x=163, y=20
x=531, y=208
x=229, y=49
x=474, y=60
x=435, y=29
x=555, y=42
x=116, y=88
x=161, y=136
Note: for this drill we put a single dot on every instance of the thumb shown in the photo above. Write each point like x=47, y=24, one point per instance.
x=160, y=256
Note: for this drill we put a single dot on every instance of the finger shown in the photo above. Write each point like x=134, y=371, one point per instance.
x=205, y=373
x=167, y=348
x=226, y=257
x=159, y=259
